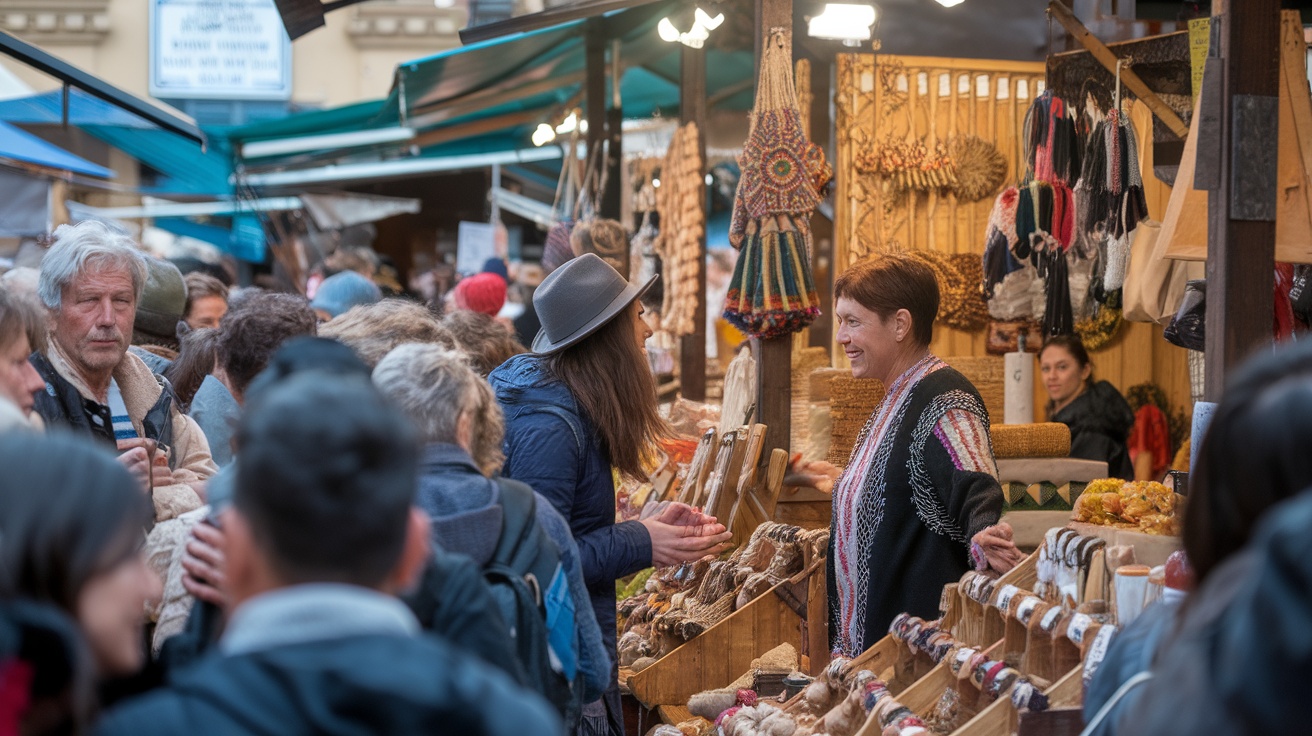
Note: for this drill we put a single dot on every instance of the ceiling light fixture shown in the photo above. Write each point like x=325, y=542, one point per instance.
x=695, y=37
x=846, y=23
x=543, y=135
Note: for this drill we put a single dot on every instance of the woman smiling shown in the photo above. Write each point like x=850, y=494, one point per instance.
x=919, y=502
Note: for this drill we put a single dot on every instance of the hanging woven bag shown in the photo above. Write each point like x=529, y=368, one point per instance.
x=772, y=292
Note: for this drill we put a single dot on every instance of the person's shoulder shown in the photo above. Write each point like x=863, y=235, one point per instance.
x=948, y=388
x=162, y=711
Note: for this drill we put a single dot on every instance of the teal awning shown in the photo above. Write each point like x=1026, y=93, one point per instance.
x=183, y=168
x=488, y=98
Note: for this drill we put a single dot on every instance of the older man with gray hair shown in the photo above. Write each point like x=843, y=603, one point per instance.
x=91, y=280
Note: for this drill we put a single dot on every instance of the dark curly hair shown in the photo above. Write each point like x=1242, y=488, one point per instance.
x=251, y=333
x=486, y=341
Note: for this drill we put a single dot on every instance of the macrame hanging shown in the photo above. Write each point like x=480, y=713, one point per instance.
x=772, y=292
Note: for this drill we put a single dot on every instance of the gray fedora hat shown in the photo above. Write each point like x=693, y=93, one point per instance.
x=578, y=298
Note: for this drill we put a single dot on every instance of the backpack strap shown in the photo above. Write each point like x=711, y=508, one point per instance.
x=524, y=546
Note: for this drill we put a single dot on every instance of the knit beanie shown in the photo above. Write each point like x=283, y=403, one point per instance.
x=484, y=292
x=162, y=304
x=498, y=267
x=344, y=290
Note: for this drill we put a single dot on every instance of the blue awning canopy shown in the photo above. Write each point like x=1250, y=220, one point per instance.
x=47, y=108
x=19, y=145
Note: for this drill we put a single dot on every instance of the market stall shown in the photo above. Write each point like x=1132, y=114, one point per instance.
x=1037, y=205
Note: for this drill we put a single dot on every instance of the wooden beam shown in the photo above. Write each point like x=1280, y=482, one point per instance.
x=477, y=127
x=1244, y=63
x=692, y=348
x=486, y=98
x=1108, y=59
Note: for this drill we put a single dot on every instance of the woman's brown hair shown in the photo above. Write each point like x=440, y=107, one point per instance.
x=197, y=354
x=614, y=386
x=887, y=283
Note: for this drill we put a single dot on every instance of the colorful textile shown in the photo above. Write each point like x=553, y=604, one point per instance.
x=921, y=483
x=775, y=176
x=1151, y=433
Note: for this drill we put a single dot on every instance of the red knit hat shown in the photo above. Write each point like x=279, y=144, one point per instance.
x=484, y=292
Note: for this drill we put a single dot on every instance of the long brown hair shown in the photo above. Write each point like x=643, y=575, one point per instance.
x=614, y=386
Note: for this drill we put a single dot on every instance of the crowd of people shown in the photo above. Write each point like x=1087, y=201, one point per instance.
x=331, y=518
x=229, y=510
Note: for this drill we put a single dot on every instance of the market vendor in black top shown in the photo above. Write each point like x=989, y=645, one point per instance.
x=919, y=502
x=1099, y=417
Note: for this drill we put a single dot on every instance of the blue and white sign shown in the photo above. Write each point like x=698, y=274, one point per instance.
x=219, y=49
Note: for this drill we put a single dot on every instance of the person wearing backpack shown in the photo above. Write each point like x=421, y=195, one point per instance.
x=584, y=402
x=520, y=541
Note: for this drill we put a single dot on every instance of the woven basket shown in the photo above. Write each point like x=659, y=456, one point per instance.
x=987, y=373
x=805, y=361
x=852, y=401
x=1050, y=439
x=822, y=380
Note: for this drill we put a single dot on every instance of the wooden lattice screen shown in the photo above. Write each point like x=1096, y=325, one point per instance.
x=937, y=99
x=931, y=100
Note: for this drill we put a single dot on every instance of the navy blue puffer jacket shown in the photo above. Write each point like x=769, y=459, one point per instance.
x=552, y=447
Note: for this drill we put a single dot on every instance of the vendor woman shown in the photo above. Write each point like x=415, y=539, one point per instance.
x=919, y=502
x=1099, y=417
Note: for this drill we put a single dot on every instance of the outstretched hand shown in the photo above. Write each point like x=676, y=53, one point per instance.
x=681, y=533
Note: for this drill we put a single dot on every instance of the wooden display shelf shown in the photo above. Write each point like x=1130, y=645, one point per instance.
x=792, y=612
x=1149, y=549
x=1001, y=719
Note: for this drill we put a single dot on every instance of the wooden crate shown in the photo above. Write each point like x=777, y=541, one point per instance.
x=793, y=612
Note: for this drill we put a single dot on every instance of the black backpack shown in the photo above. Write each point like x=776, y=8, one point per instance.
x=523, y=569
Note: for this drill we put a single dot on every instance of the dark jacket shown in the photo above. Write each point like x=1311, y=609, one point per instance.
x=467, y=519
x=1241, y=657
x=44, y=641
x=61, y=405
x=1100, y=422
x=552, y=447
x=451, y=601
x=369, y=684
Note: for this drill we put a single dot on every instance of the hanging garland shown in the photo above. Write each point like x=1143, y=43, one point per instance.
x=909, y=165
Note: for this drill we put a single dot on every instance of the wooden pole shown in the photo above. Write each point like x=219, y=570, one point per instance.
x=774, y=357
x=692, y=348
x=1108, y=59
x=610, y=197
x=1238, y=127
x=595, y=89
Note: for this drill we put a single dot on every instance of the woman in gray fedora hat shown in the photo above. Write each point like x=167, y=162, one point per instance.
x=584, y=402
